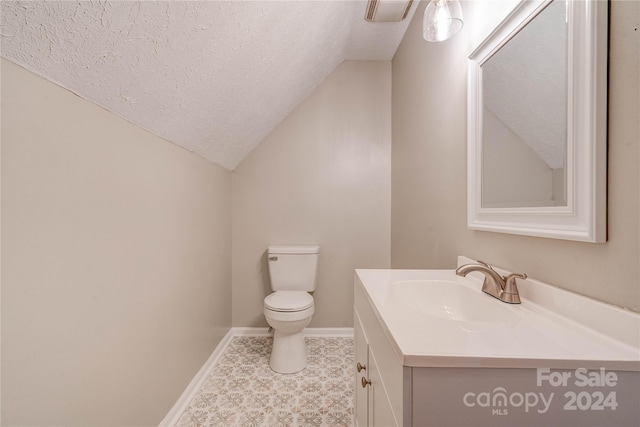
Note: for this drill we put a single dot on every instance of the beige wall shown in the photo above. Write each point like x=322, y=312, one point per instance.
x=429, y=166
x=321, y=177
x=512, y=173
x=115, y=262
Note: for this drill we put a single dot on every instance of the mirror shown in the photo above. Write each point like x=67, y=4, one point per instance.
x=537, y=122
x=524, y=116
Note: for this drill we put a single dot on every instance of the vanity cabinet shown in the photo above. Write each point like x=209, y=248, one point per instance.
x=506, y=366
x=372, y=404
x=363, y=368
x=378, y=371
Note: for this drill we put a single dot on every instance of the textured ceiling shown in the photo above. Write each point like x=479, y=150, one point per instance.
x=214, y=77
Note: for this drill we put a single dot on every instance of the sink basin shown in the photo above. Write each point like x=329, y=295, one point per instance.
x=442, y=352
x=449, y=300
x=435, y=318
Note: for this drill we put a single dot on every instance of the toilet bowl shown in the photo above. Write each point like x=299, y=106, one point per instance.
x=288, y=310
x=288, y=354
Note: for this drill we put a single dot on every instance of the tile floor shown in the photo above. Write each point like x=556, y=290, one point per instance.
x=242, y=390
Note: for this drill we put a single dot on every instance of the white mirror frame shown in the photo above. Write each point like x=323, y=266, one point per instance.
x=584, y=217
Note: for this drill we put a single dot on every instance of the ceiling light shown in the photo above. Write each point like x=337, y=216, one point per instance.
x=442, y=20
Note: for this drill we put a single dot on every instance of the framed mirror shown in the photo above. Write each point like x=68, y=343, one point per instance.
x=537, y=117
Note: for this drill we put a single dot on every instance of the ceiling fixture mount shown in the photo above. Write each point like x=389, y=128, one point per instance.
x=387, y=10
x=442, y=20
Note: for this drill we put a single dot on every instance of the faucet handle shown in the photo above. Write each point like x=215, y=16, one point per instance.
x=490, y=267
x=513, y=276
x=511, y=294
x=486, y=265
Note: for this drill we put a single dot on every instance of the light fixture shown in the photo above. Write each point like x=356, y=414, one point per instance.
x=442, y=20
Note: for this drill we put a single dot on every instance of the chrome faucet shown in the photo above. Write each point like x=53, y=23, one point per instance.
x=496, y=285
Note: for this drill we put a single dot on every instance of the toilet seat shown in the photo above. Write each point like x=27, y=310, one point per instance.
x=288, y=301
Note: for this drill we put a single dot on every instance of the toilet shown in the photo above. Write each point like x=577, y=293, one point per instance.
x=288, y=310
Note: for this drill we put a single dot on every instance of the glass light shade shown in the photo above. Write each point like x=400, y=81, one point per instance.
x=442, y=20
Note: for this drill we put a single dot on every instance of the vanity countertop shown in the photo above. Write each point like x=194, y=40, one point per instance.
x=552, y=327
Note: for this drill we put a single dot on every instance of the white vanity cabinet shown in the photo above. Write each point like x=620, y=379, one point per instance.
x=423, y=363
x=361, y=400
x=378, y=371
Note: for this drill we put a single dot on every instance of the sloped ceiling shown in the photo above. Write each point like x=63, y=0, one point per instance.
x=214, y=77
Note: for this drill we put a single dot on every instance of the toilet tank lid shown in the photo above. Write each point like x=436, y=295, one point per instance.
x=293, y=249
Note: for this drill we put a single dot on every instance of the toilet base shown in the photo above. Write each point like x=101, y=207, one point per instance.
x=289, y=353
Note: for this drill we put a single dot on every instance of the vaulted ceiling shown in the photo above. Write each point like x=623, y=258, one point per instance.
x=214, y=77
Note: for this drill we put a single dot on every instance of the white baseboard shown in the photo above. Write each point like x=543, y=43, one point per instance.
x=308, y=332
x=172, y=418
x=329, y=332
x=250, y=332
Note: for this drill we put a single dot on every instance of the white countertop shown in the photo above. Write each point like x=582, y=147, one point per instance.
x=551, y=328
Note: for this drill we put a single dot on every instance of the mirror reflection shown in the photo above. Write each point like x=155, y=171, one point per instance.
x=524, y=115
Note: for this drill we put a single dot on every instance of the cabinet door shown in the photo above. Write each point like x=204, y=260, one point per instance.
x=362, y=357
x=380, y=410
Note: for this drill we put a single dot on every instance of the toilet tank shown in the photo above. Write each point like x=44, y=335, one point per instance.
x=293, y=268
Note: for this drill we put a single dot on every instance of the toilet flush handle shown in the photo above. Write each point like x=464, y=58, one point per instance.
x=273, y=258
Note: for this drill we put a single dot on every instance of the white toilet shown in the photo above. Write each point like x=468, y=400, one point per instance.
x=288, y=310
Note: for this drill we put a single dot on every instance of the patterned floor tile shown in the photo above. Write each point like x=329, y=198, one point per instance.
x=242, y=390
